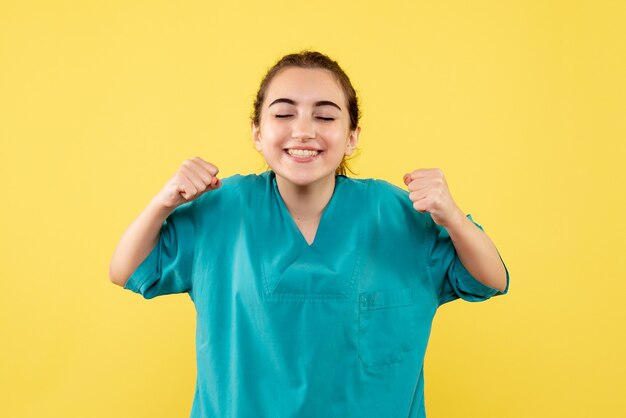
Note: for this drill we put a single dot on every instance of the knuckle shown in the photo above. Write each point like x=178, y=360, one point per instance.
x=181, y=175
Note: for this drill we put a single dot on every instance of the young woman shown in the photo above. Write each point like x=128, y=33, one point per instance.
x=314, y=292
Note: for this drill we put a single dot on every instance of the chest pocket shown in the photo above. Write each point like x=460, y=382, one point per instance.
x=387, y=327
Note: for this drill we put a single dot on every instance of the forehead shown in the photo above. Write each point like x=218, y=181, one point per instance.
x=305, y=85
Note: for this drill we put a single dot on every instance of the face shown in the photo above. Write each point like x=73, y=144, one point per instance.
x=304, y=128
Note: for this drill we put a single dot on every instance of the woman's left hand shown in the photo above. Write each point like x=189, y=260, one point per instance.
x=428, y=190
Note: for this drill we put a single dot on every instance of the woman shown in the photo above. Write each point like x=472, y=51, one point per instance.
x=314, y=292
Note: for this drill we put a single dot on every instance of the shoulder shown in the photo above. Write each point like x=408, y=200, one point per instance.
x=236, y=194
x=391, y=205
x=366, y=182
x=236, y=186
x=379, y=191
x=387, y=190
x=243, y=181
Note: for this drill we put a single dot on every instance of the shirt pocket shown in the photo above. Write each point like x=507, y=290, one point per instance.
x=387, y=326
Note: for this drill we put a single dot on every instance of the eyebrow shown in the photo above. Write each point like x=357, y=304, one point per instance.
x=291, y=102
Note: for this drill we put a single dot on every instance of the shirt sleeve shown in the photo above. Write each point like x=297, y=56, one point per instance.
x=457, y=280
x=168, y=267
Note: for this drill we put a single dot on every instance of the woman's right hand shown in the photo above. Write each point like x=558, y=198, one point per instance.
x=195, y=177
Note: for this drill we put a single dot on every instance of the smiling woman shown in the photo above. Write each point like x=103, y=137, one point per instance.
x=311, y=60
x=314, y=292
x=303, y=133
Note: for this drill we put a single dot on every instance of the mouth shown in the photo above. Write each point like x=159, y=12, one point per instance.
x=302, y=155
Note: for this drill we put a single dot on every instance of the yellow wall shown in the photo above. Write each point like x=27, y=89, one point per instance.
x=522, y=104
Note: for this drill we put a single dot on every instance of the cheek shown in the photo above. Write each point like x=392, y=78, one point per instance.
x=339, y=137
x=273, y=131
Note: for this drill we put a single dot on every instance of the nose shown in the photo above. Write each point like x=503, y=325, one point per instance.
x=303, y=129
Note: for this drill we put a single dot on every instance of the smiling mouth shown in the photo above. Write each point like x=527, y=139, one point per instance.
x=302, y=153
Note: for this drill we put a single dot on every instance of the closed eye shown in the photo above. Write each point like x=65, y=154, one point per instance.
x=325, y=119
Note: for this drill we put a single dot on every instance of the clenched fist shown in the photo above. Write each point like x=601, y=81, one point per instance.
x=428, y=190
x=195, y=177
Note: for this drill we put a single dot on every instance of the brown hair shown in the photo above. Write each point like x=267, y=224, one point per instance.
x=312, y=59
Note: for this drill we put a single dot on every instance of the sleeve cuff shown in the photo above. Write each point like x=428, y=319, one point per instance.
x=475, y=286
x=145, y=272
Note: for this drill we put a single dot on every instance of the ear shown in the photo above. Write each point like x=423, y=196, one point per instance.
x=353, y=140
x=256, y=136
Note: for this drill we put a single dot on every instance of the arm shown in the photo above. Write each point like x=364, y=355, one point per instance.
x=429, y=192
x=137, y=242
x=477, y=252
x=195, y=177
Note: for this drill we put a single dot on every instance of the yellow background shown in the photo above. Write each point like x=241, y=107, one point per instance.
x=522, y=104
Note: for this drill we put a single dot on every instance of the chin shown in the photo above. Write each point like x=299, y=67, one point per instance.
x=303, y=179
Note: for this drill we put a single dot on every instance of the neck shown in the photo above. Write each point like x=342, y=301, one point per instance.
x=306, y=202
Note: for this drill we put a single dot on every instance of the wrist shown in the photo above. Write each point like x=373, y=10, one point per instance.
x=457, y=222
x=159, y=209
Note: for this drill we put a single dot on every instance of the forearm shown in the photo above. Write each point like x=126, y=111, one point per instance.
x=477, y=252
x=137, y=242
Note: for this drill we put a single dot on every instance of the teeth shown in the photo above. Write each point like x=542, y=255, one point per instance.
x=302, y=152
